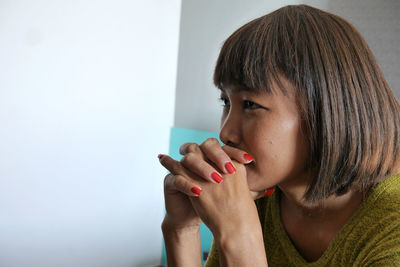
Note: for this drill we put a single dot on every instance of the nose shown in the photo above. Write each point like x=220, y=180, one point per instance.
x=229, y=133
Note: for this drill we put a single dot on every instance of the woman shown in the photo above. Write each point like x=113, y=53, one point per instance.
x=308, y=114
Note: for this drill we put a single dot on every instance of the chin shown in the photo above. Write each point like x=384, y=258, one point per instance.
x=256, y=181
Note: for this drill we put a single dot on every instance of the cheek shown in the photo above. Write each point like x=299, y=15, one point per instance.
x=288, y=139
x=280, y=140
x=280, y=152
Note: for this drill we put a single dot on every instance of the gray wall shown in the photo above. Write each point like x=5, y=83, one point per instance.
x=206, y=24
x=379, y=24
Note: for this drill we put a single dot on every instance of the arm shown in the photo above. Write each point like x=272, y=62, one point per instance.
x=182, y=245
x=181, y=225
x=242, y=247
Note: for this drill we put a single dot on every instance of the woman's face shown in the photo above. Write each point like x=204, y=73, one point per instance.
x=267, y=126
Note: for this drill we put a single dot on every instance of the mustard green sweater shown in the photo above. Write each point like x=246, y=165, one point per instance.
x=370, y=238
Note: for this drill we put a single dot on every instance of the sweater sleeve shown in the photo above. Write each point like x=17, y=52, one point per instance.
x=213, y=258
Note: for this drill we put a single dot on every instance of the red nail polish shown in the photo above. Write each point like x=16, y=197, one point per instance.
x=248, y=157
x=160, y=156
x=196, y=190
x=269, y=192
x=229, y=167
x=216, y=177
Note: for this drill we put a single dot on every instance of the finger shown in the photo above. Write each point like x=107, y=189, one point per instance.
x=188, y=148
x=199, y=166
x=170, y=164
x=214, y=153
x=237, y=154
x=269, y=191
x=196, y=164
x=176, y=168
x=182, y=184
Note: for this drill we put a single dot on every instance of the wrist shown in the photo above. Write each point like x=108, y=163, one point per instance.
x=241, y=225
x=172, y=227
x=239, y=237
x=243, y=246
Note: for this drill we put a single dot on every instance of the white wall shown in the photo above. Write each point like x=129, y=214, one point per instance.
x=206, y=24
x=86, y=103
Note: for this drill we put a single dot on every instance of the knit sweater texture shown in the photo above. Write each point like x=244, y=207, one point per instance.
x=371, y=237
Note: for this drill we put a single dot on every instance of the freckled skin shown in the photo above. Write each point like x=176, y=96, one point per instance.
x=270, y=134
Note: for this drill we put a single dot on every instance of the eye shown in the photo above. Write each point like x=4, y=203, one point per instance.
x=250, y=105
x=225, y=102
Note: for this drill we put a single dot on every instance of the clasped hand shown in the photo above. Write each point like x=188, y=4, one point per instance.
x=209, y=184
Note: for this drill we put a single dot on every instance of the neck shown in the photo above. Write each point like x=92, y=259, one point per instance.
x=329, y=206
x=292, y=198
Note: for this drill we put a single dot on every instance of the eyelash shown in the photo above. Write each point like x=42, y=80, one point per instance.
x=246, y=104
x=250, y=105
x=225, y=102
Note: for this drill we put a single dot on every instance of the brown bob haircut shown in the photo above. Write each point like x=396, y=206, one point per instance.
x=349, y=114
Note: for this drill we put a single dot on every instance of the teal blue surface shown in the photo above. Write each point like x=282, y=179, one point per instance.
x=178, y=137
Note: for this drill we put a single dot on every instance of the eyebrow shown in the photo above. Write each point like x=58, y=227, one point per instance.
x=240, y=89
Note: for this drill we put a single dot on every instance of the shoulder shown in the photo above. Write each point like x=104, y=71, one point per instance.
x=378, y=227
x=384, y=198
x=384, y=247
x=381, y=209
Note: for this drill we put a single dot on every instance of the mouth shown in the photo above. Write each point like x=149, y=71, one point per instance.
x=250, y=165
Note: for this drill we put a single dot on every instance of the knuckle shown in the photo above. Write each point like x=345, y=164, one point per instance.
x=187, y=148
x=188, y=159
x=213, y=140
x=183, y=147
x=192, y=147
x=210, y=142
x=179, y=182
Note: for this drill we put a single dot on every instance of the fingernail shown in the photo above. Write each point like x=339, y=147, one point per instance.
x=160, y=156
x=216, y=177
x=229, y=167
x=248, y=157
x=196, y=190
x=269, y=192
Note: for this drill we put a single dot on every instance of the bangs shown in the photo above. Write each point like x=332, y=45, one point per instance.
x=256, y=54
